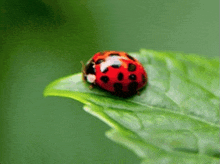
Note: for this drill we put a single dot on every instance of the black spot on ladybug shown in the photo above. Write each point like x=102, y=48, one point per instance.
x=99, y=61
x=130, y=57
x=132, y=77
x=120, y=76
x=114, y=54
x=105, y=79
x=115, y=66
x=89, y=69
x=132, y=87
x=117, y=87
x=105, y=70
x=143, y=79
x=131, y=67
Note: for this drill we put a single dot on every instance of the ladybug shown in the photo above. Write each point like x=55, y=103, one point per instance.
x=116, y=72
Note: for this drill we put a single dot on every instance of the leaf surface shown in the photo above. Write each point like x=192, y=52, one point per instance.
x=174, y=120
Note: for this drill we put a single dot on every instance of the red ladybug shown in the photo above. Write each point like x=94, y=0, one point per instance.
x=116, y=72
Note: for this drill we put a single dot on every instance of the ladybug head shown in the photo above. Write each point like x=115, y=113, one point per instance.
x=89, y=71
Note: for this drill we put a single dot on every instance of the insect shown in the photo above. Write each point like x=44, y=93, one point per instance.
x=116, y=72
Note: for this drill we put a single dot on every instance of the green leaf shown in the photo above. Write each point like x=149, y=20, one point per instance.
x=174, y=120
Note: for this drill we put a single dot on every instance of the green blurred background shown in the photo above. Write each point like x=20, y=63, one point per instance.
x=42, y=40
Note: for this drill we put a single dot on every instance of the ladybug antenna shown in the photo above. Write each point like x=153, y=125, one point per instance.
x=83, y=66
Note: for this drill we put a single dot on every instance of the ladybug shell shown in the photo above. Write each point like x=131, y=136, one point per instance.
x=117, y=72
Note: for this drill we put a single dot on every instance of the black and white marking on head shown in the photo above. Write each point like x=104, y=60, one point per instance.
x=114, y=54
x=112, y=61
x=99, y=61
x=90, y=72
x=105, y=70
x=91, y=78
x=115, y=65
x=90, y=69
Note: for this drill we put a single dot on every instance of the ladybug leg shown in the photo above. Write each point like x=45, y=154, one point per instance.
x=83, y=78
x=91, y=86
x=83, y=67
x=83, y=70
x=138, y=93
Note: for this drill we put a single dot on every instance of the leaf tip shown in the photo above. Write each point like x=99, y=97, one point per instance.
x=46, y=91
